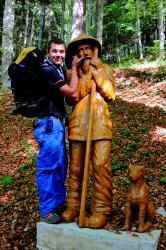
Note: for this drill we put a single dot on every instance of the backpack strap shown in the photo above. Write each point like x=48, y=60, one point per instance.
x=48, y=63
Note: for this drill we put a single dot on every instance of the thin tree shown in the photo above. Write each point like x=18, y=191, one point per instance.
x=49, y=22
x=62, y=19
x=161, y=29
x=92, y=24
x=32, y=24
x=7, y=41
x=77, y=22
x=139, y=31
x=100, y=20
x=26, y=22
x=42, y=25
x=84, y=17
x=2, y=6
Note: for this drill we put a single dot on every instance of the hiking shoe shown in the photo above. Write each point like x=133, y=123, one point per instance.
x=51, y=218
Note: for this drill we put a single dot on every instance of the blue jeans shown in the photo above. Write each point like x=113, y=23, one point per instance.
x=51, y=164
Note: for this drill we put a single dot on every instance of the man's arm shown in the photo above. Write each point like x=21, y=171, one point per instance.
x=71, y=89
x=84, y=85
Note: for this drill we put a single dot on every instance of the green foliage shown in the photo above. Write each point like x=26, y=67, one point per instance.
x=123, y=181
x=24, y=166
x=117, y=165
x=120, y=33
x=16, y=151
x=32, y=162
x=126, y=181
x=28, y=150
x=132, y=124
x=119, y=26
x=123, y=108
x=112, y=113
x=136, y=138
x=144, y=121
x=118, y=182
x=116, y=140
x=24, y=180
x=146, y=153
x=163, y=179
x=16, y=120
x=69, y=109
x=6, y=180
x=126, y=132
x=148, y=179
x=152, y=52
x=127, y=152
x=143, y=130
x=133, y=145
x=32, y=156
x=125, y=62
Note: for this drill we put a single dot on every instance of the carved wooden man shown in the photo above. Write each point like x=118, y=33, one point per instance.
x=91, y=71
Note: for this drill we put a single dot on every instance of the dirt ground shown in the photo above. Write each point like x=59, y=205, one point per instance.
x=139, y=137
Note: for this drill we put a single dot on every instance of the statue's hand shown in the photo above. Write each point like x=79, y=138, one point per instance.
x=85, y=85
x=80, y=72
x=95, y=63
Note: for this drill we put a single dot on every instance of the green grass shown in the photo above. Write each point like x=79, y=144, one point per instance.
x=6, y=180
x=163, y=179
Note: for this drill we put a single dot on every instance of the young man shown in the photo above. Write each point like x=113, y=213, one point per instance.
x=91, y=72
x=49, y=131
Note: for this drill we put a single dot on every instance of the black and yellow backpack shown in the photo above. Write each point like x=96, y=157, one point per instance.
x=23, y=72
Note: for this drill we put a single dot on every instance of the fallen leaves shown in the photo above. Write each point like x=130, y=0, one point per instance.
x=139, y=132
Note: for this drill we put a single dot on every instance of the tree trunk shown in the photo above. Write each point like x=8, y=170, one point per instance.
x=100, y=20
x=32, y=25
x=42, y=25
x=77, y=19
x=139, y=31
x=49, y=22
x=62, y=19
x=84, y=18
x=7, y=41
x=91, y=13
x=161, y=29
x=2, y=5
x=26, y=23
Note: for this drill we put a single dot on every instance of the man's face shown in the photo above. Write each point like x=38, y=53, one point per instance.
x=85, y=50
x=57, y=53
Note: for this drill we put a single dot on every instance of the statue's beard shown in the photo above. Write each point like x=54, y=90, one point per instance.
x=85, y=65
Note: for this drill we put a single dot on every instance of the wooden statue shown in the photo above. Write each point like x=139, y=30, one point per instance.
x=138, y=203
x=90, y=131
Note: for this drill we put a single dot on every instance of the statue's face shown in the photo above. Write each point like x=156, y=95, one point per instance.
x=85, y=50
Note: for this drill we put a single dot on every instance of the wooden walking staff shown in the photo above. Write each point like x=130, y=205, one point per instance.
x=87, y=153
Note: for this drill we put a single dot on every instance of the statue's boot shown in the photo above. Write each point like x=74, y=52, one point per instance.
x=95, y=221
x=102, y=188
x=70, y=214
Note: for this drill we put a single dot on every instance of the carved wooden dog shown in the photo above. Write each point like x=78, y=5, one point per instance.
x=138, y=200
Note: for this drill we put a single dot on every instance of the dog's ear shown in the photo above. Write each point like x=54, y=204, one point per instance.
x=143, y=171
x=129, y=168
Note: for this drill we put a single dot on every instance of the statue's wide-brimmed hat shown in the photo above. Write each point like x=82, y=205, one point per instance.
x=72, y=47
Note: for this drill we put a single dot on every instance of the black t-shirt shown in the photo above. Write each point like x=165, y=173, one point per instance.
x=50, y=79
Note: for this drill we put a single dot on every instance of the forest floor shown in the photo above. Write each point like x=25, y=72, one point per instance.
x=139, y=137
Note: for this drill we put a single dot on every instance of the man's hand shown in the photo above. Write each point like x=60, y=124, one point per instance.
x=76, y=61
